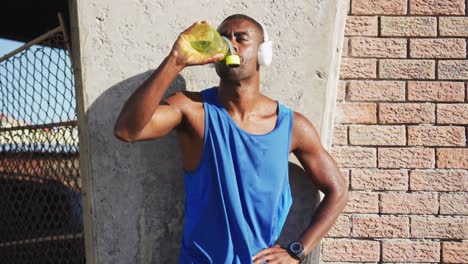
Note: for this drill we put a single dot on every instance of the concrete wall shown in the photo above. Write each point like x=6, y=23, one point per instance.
x=133, y=193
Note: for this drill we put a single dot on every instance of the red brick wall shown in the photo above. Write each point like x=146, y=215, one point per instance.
x=401, y=134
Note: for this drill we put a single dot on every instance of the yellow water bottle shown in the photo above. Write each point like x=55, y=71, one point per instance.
x=206, y=40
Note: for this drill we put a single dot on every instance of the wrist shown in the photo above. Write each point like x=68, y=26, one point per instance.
x=172, y=60
x=296, y=251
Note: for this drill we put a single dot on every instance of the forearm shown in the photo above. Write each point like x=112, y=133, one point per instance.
x=323, y=219
x=140, y=107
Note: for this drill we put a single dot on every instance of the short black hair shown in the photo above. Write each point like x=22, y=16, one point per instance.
x=246, y=17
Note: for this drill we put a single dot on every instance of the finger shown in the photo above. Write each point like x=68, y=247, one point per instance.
x=189, y=28
x=193, y=25
x=282, y=258
x=267, y=251
x=216, y=58
x=272, y=257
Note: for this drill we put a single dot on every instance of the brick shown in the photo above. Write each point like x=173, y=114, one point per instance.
x=406, y=158
x=453, y=26
x=401, y=113
x=341, y=91
x=408, y=26
x=376, y=135
x=439, y=7
x=362, y=202
x=436, y=91
x=378, y=7
x=409, y=203
x=452, y=158
x=340, y=135
x=436, y=136
x=380, y=226
x=439, y=180
x=376, y=91
x=454, y=203
x=341, y=227
x=345, y=173
x=377, y=47
x=350, y=250
x=350, y=157
x=352, y=68
x=437, y=48
x=406, y=69
x=405, y=250
x=344, y=50
x=453, y=69
x=452, y=114
x=380, y=180
x=357, y=113
x=455, y=252
x=361, y=26
x=439, y=227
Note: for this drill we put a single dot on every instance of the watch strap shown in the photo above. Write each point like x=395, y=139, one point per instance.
x=296, y=255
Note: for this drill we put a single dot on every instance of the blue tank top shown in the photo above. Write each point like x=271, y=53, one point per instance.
x=238, y=197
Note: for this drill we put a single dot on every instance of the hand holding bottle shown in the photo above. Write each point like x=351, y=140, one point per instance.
x=195, y=46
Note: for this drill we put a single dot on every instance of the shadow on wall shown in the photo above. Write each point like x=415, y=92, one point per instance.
x=138, y=188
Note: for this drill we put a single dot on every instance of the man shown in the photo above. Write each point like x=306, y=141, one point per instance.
x=235, y=144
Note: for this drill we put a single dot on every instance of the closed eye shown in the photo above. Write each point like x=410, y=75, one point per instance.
x=241, y=36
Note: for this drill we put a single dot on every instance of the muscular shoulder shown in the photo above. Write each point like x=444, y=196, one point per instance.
x=305, y=135
x=190, y=105
x=184, y=101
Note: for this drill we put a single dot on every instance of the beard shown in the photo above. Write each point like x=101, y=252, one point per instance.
x=229, y=74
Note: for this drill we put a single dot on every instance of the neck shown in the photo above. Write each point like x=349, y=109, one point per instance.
x=239, y=97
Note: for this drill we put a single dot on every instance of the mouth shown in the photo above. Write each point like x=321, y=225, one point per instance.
x=231, y=66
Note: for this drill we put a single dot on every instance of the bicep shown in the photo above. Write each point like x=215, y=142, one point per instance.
x=315, y=159
x=163, y=121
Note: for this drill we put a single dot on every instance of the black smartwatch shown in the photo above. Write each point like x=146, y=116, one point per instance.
x=296, y=250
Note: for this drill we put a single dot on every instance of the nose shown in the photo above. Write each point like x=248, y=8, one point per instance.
x=234, y=43
x=234, y=46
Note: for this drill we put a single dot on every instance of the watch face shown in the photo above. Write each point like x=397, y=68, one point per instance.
x=296, y=247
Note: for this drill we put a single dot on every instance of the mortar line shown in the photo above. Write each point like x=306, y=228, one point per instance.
x=408, y=49
x=379, y=27
x=407, y=7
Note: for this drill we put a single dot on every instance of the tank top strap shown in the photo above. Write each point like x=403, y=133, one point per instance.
x=209, y=95
x=285, y=114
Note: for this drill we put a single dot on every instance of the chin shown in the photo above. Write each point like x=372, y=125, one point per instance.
x=230, y=74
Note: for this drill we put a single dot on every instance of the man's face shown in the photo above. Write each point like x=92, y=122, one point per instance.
x=245, y=38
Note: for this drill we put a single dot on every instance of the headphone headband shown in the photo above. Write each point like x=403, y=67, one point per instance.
x=265, y=50
x=265, y=33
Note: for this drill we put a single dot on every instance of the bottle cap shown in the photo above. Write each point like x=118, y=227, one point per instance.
x=232, y=61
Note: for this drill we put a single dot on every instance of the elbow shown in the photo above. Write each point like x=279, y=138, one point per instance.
x=345, y=196
x=341, y=195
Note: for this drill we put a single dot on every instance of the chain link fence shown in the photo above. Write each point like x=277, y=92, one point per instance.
x=41, y=217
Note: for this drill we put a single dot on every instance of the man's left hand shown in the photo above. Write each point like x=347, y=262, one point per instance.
x=275, y=254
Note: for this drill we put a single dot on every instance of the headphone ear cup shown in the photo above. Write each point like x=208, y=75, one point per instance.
x=265, y=53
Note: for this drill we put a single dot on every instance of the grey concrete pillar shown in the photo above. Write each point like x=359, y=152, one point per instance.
x=133, y=193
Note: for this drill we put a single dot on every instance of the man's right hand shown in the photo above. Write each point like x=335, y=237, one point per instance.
x=143, y=117
x=186, y=55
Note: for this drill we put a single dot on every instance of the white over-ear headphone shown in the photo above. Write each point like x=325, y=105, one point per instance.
x=265, y=50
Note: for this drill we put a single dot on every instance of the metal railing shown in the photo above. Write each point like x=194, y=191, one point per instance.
x=41, y=217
